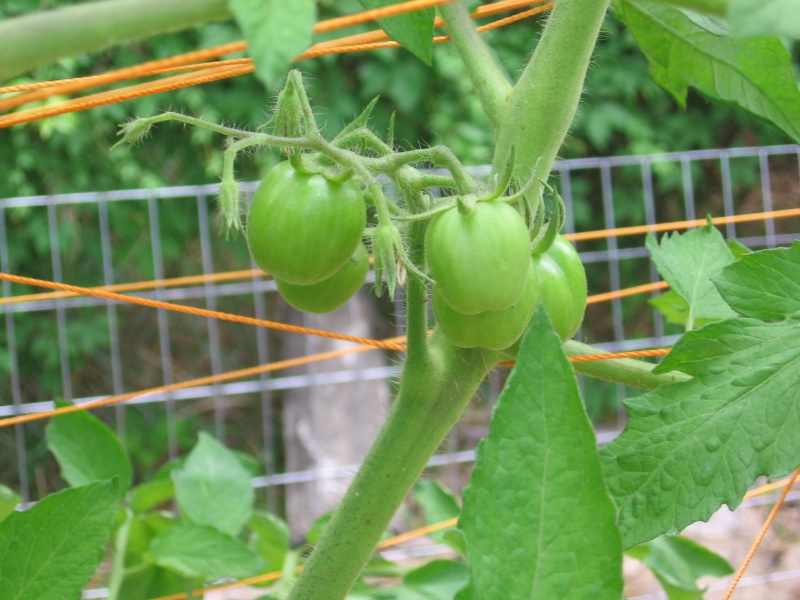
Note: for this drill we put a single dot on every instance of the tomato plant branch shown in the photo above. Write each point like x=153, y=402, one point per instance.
x=30, y=41
x=488, y=77
x=433, y=393
x=542, y=105
x=628, y=371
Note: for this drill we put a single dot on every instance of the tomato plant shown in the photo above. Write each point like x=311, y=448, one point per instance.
x=331, y=293
x=478, y=258
x=303, y=227
x=492, y=329
x=562, y=286
x=540, y=490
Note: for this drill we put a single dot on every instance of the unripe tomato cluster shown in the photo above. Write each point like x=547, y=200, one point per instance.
x=307, y=230
x=488, y=284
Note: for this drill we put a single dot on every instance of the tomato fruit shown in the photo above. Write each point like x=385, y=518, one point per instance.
x=301, y=227
x=562, y=286
x=331, y=293
x=478, y=261
x=493, y=329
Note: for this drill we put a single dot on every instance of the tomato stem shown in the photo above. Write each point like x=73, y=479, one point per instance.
x=434, y=391
x=489, y=79
x=542, y=105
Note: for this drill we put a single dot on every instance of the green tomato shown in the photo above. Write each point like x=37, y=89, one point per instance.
x=302, y=228
x=562, y=286
x=478, y=261
x=331, y=293
x=493, y=329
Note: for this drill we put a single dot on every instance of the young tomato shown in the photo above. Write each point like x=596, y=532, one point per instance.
x=562, y=286
x=331, y=293
x=301, y=227
x=479, y=261
x=493, y=329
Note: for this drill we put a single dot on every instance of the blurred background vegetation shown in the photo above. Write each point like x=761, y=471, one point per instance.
x=623, y=112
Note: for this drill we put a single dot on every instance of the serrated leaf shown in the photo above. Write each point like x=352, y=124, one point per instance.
x=537, y=517
x=678, y=563
x=50, y=551
x=8, y=501
x=754, y=74
x=763, y=285
x=688, y=262
x=213, y=488
x=276, y=31
x=438, y=504
x=87, y=450
x=412, y=30
x=202, y=551
x=758, y=18
x=688, y=448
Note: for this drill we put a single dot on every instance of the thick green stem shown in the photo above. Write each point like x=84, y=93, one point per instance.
x=541, y=107
x=488, y=78
x=432, y=395
x=620, y=370
x=40, y=38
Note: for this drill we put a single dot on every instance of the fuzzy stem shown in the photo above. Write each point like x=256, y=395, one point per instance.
x=541, y=107
x=438, y=155
x=33, y=40
x=488, y=78
x=628, y=371
x=432, y=395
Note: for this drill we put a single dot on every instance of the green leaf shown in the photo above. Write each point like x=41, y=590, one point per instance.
x=688, y=262
x=688, y=448
x=8, y=501
x=276, y=31
x=754, y=74
x=270, y=538
x=148, y=495
x=87, y=450
x=142, y=530
x=675, y=309
x=436, y=580
x=145, y=582
x=213, y=488
x=764, y=285
x=758, y=18
x=50, y=551
x=201, y=551
x=317, y=528
x=438, y=504
x=678, y=563
x=738, y=249
x=412, y=30
x=537, y=517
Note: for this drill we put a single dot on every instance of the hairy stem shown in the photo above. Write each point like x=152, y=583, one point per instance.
x=541, y=107
x=30, y=41
x=488, y=78
x=628, y=371
x=432, y=395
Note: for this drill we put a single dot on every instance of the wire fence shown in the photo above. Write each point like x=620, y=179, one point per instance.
x=83, y=348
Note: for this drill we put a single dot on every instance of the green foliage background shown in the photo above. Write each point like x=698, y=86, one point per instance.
x=623, y=112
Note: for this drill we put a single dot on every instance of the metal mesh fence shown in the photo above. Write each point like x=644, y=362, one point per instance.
x=81, y=348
